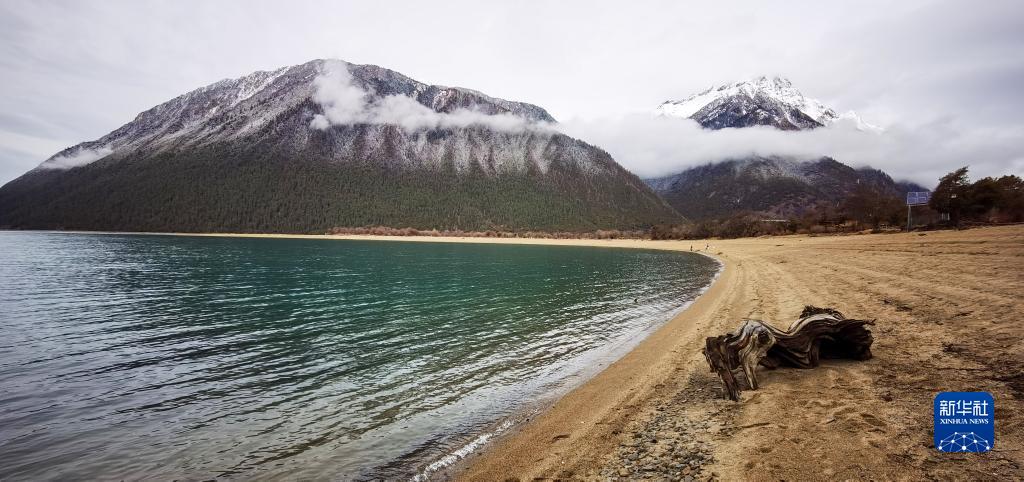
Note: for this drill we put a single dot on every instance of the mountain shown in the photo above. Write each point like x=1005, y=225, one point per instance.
x=776, y=187
x=762, y=101
x=327, y=144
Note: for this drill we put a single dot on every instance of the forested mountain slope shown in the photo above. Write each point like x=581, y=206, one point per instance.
x=328, y=144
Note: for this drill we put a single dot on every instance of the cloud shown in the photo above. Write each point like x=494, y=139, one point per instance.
x=80, y=157
x=654, y=146
x=345, y=103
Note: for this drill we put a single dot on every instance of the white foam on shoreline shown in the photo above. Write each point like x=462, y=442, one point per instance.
x=463, y=451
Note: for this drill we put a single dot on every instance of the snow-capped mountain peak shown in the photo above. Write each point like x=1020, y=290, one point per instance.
x=759, y=101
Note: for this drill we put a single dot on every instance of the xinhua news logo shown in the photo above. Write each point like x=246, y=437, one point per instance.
x=964, y=422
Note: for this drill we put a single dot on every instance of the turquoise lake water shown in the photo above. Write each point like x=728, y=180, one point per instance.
x=162, y=357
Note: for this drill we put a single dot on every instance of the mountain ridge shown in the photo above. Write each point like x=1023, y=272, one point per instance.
x=775, y=186
x=219, y=108
x=243, y=155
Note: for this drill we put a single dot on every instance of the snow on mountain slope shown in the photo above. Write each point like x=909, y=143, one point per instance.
x=232, y=109
x=764, y=100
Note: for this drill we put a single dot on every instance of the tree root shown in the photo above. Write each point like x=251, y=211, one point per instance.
x=819, y=333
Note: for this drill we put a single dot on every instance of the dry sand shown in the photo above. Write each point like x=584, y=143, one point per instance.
x=948, y=307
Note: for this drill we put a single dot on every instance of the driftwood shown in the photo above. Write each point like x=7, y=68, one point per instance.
x=819, y=333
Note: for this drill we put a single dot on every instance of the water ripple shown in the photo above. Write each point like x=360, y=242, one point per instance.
x=175, y=357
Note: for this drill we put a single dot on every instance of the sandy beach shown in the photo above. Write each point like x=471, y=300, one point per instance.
x=947, y=305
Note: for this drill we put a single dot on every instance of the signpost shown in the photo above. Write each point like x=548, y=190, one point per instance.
x=916, y=199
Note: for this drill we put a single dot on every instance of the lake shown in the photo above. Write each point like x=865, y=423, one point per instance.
x=160, y=357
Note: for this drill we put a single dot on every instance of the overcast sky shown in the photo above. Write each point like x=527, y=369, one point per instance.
x=943, y=78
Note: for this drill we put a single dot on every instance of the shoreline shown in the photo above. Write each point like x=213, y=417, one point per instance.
x=947, y=307
x=589, y=410
x=512, y=424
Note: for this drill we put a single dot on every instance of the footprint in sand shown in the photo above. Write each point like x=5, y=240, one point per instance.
x=873, y=420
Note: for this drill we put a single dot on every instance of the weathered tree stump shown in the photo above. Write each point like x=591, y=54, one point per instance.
x=819, y=333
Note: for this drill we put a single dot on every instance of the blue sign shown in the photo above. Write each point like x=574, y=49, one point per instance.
x=964, y=422
x=918, y=198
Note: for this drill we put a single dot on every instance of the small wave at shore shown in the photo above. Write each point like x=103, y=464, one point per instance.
x=460, y=453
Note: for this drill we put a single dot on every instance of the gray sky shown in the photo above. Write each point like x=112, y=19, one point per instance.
x=944, y=78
